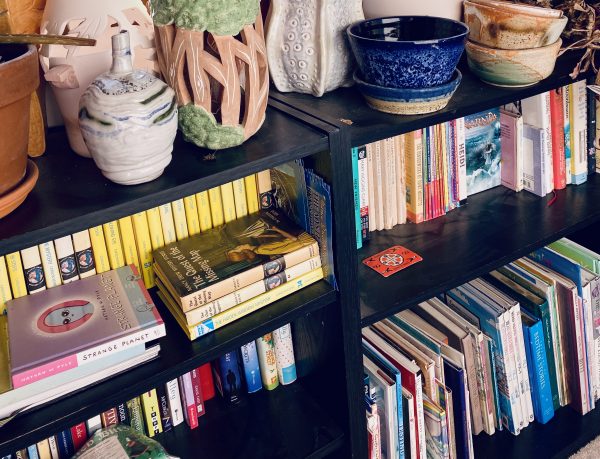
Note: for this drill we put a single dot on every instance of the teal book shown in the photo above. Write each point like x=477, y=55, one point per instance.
x=356, y=191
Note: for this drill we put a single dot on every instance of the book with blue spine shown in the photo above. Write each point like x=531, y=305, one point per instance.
x=229, y=377
x=64, y=441
x=376, y=357
x=541, y=394
x=32, y=452
x=455, y=380
x=356, y=191
x=251, y=367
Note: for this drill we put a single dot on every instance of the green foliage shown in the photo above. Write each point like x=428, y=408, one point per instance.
x=201, y=127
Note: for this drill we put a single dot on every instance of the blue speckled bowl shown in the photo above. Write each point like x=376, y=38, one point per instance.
x=407, y=51
x=408, y=101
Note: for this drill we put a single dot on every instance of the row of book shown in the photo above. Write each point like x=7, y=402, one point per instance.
x=493, y=354
x=264, y=363
x=538, y=144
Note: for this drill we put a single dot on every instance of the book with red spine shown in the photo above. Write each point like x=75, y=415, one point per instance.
x=186, y=391
x=197, y=387
x=79, y=435
x=557, y=124
x=206, y=381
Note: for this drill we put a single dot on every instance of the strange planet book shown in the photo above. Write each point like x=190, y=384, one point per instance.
x=482, y=145
x=77, y=323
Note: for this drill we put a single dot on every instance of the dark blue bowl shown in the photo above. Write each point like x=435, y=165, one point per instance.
x=407, y=51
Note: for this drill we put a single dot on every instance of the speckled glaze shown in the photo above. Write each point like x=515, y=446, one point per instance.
x=408, y=101
x=407, y=51
x=503, y=28
x=512, y=67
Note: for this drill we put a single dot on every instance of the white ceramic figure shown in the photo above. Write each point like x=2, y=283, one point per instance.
x=70, y=69
x=128, y=119
x=306, y=44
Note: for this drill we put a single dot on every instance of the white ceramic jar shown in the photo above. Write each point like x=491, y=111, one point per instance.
x=451, y=9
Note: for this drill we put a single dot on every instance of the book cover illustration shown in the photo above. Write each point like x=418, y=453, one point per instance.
x=200, y=261
x=61, y=328
x=482, y=139
x=289, y=191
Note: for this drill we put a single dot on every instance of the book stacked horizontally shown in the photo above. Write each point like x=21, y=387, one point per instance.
x=70, y=336
x=216, y=277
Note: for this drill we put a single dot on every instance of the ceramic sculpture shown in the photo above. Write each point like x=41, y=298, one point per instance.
x=70, y=69
x=213, y=54
x=128, y=119
x=307, y=46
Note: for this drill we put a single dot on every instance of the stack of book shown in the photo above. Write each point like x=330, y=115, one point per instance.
x=218, y=276
x=493, y=354
x=68, y=337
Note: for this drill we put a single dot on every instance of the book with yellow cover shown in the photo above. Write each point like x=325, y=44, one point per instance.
x=33, y=270
x=239, y=311
x=84, y=256
x=413, y=148
x=15, y=274
x=191, y=215
x=49, y=263
x=5, y=382
x=151, y=412
x=144, y=246
x=251, y=193
x=112, y=236
x=166, y=220
x=130, y=251
x=67, y=261
x=265, y=189
x=43, y=448
x=5, y=293
x=216, y=206
x=239, y=196
x=181, y=229
x=203, y=205
x=228, y=202
x=155, y=228
x=99, y=249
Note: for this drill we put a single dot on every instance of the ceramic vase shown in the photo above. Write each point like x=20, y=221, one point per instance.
x=128, y=119
x=70, y=69
x=451, y=9
x=307, y=46
x=212, y=52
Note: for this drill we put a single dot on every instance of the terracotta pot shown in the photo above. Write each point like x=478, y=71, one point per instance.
x=19, y=77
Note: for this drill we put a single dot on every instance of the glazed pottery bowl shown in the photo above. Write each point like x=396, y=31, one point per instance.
x=408, y=101
x=520, y=8
x=407, y=51
x=512, y=67
x=503, y=28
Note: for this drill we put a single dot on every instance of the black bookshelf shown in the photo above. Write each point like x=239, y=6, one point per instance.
x=72, y=194
x=178, y=355
x=283, y=423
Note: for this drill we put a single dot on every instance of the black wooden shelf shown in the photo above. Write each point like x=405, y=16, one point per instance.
x=561, y=437
x=283, y=423
x=493, y=228
x=177, y=356
x=72, y=195
x=346, y=107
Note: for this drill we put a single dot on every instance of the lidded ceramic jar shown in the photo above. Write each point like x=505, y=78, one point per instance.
x=128, y=119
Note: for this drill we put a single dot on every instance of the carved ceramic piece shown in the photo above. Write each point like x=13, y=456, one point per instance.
x=70, y=69
x=128, y=119
x=307, y=45
x=221, y=81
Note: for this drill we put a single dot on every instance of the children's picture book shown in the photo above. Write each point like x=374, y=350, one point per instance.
x=482, y=138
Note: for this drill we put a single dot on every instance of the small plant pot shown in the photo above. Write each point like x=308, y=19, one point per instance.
x=19, y=77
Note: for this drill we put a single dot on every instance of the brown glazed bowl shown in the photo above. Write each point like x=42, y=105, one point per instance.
x=18, y=79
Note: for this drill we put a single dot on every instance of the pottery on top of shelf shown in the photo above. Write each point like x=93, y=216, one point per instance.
x=451, y=9
x=504, y=28
x=521, y=8
x=70, y=69
x=128, y=119
x=407, y=51
x=512, y=67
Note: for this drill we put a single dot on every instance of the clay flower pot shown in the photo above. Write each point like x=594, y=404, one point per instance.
x=19, y=78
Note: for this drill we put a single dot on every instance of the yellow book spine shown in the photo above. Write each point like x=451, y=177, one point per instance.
x=15, y=274
x=144, y=246
x=43, y=448
x=112, y=236
x=191, y=215
x=5, y=382
x=216, y=206
x=251, y=193
x=151, y=412
x=228, y=202
x=128, y=238
x=86, y=265
x=50, y=264
x=157, y=239
x=203, y=204
x=99, y=249
x=5, y=293
x=265, y=188
x=179, y=219
x=239, y=196
x=32, y=270
x=166, y=220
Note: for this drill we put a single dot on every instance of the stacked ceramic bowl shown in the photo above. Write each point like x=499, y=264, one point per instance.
x=407, y=64
x=512, y=44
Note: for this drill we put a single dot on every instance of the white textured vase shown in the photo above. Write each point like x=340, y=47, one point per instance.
x=306, y=44
x=70, y=69
x=128, y=119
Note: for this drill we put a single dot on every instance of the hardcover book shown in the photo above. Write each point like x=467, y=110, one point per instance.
x=482, y=142
x=77, y=323
x=219, y=261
